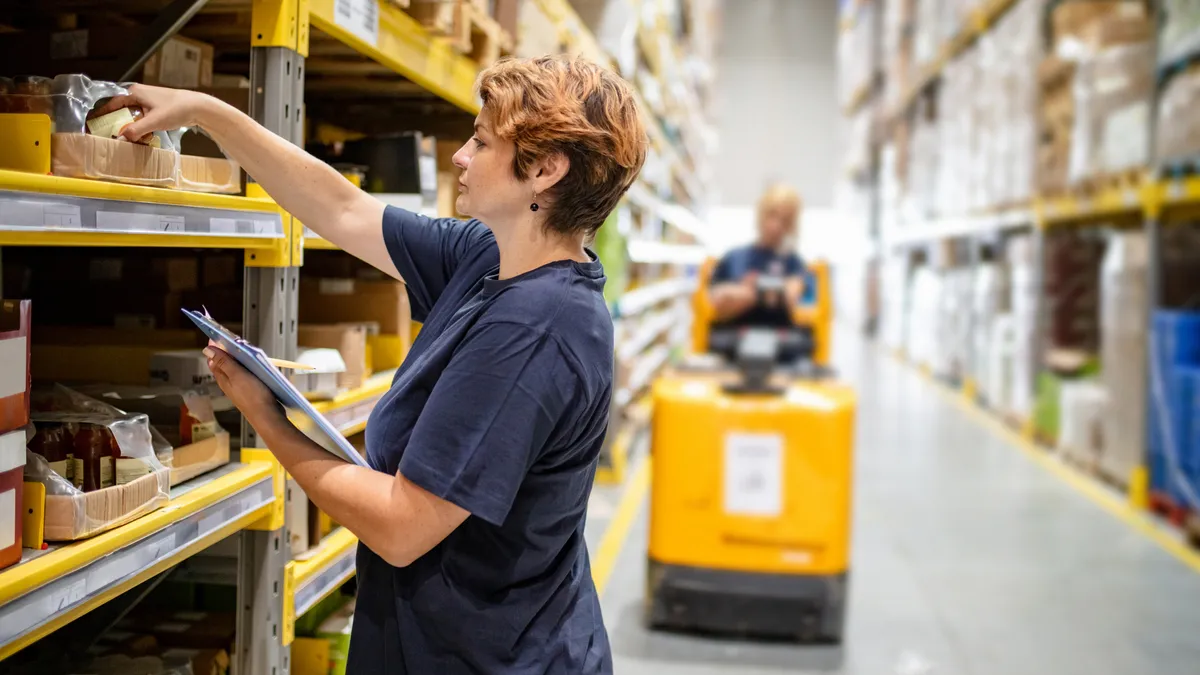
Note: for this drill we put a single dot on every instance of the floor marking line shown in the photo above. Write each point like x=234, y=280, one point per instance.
x=618, y=528
x=1097, y=493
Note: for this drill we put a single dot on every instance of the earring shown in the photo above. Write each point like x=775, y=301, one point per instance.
x=533, y=206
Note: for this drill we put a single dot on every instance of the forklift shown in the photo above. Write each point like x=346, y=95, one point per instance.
x=752, y=444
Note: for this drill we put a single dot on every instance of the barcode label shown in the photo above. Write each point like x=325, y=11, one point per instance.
x=61, y=215
x=360, y=17
x=138, y=222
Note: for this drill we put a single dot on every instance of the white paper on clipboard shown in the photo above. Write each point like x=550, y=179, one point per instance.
x=312, y=423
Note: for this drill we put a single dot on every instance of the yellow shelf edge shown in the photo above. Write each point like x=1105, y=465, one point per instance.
x=116, y=589
x=22, y=578
x=408, y=49
x=376, y=385
x=333, y=546
x=96, y=189
x=66, y=237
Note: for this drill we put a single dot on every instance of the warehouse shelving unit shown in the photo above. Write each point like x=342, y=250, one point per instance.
x=248, y=501
x=1143, y=204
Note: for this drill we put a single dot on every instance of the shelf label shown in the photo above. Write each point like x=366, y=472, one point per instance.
x=65, y=598
x=36, y=214
x=753, y=474
x=138, y=222
x=360, y=17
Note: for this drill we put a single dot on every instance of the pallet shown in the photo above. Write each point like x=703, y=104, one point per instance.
x=1128, y=179
x=1192, y=529
x=1173, y=512
x=467, y=26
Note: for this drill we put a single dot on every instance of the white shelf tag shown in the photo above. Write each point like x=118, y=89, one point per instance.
x=110, y=221
x=360, y=17
x=754, y=474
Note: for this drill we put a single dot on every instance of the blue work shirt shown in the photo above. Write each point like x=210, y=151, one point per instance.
x=500, y=407
x=737, y=263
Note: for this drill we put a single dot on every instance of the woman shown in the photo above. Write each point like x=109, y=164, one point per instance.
x=734, y=287
x=472, y=555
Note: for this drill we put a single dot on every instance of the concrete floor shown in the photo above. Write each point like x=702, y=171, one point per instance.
x=968, y=559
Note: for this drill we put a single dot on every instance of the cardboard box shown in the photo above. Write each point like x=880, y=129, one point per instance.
x=85, y=514
x=356, y=301
x=193, y=459
x=12, y=495
x=182, y=63
x=86, y=156
x=14, y=364
x=349, y=339
x=322, y=382
x=202, y=661
x=209, y=174
x=185, y=629
x=182, y=368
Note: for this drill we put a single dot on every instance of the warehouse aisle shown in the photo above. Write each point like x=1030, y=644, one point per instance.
x=968, y=558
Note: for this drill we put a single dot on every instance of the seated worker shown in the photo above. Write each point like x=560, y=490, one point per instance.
x=760, y=284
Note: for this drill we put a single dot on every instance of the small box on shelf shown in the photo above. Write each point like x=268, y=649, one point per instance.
x=14, y=364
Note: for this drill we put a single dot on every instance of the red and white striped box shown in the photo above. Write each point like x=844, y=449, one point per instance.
x=14, y=364
x=12, y=495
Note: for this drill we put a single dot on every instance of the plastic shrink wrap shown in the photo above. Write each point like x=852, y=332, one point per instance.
x=99, y=464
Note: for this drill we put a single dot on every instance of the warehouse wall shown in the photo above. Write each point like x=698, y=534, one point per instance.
x=774, y=100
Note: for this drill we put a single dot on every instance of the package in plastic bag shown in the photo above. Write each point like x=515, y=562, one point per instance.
x=86, y=137
x=186, y=417
x=98, y=464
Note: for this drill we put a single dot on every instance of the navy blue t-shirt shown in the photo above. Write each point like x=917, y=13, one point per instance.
x=501, y=408
x=739, y=262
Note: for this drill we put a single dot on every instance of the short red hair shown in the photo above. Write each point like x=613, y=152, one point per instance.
x=569, y=105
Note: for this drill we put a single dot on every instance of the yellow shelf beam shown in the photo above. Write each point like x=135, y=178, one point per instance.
x=43, y=210
x=96, y=189
x=55, y=588
x=398, y=41
x=326, y=569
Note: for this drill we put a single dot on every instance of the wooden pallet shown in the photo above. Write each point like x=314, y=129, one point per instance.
x=1175, y=513
x=467, y=26
x=1192, y=529
x=1128, y=179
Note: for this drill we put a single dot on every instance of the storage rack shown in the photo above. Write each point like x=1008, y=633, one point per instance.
x=248, y=500
x=1154, y=199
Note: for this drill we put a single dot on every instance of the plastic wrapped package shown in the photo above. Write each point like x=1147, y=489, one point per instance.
x=86, y=143
x=187, y=419
x=1112, y=105
x=1082, y=409
x=1181, y=27
x=857, y=55
x=1124, y=299
x=98, y=464
x=1178, y=129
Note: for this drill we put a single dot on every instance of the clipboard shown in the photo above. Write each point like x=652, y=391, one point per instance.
x=310, y=422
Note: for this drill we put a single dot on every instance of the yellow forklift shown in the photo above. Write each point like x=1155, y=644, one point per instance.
x=752, y=470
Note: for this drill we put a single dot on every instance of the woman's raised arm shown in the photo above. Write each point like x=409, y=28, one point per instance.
x=303, y=185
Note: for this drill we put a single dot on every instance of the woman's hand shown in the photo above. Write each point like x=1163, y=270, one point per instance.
x=163, y=109
x=246, y=391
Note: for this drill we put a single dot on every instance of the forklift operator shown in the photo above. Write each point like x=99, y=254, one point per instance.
x=760, y=284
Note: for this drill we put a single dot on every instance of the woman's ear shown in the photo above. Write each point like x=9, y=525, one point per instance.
x=547, y=172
